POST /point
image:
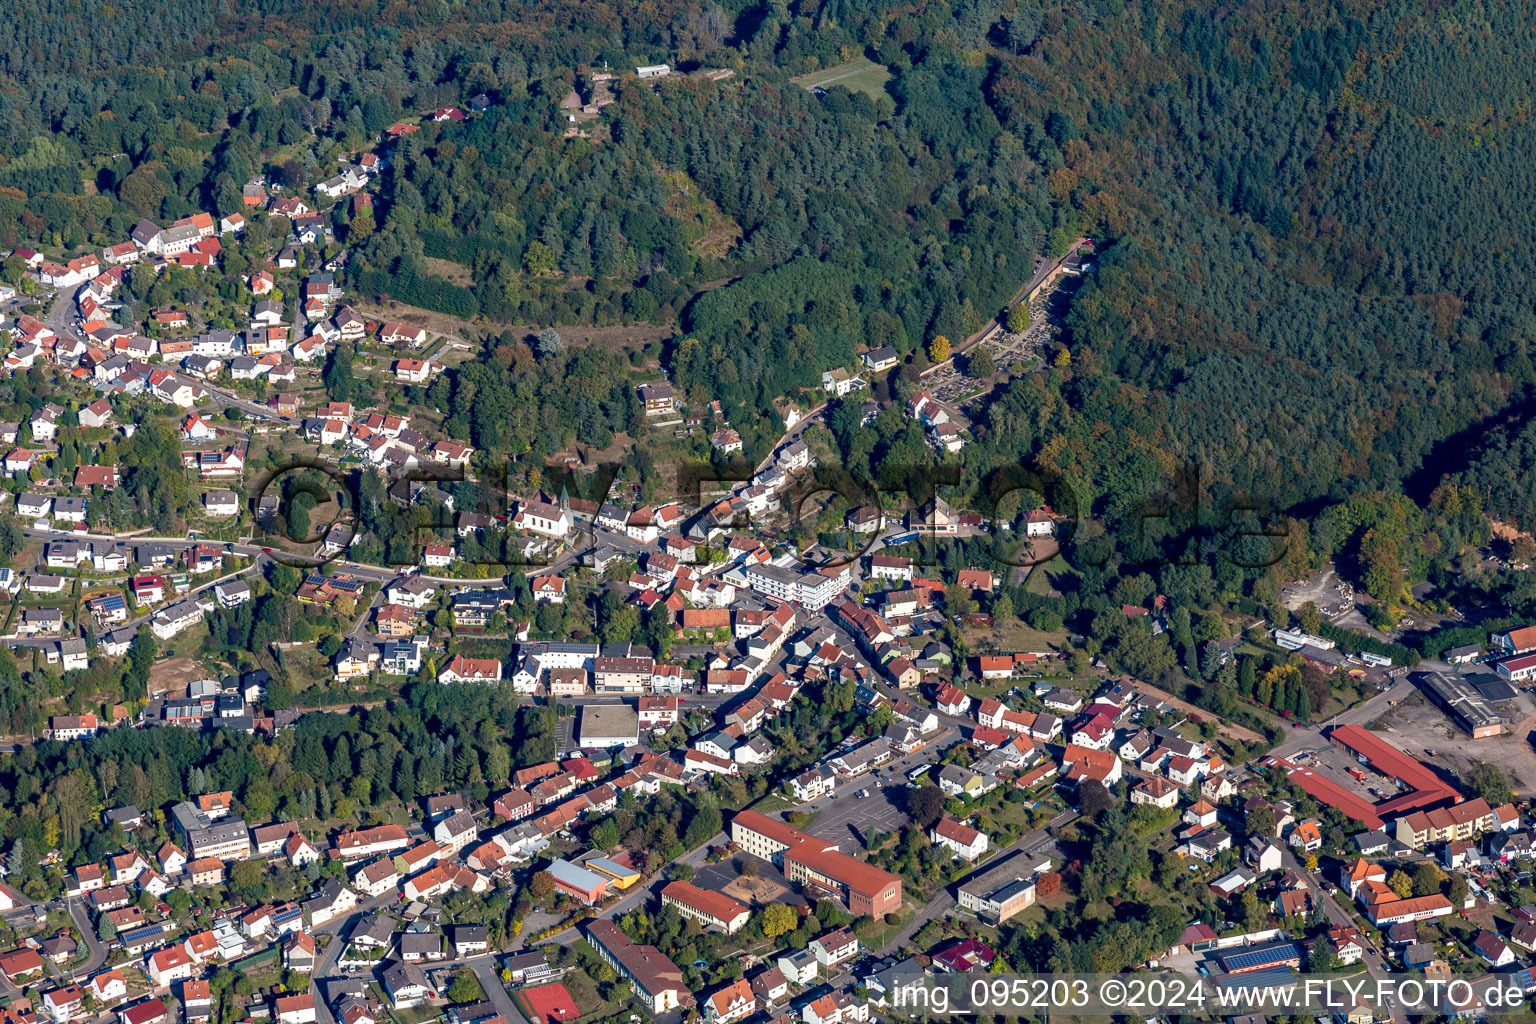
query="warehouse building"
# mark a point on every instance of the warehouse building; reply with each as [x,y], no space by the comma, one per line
[605,726]
[1464,701]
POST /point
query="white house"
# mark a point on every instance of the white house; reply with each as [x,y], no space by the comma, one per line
[548,520]
[964,842]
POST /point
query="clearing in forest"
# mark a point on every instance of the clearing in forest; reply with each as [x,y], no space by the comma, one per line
[862,75]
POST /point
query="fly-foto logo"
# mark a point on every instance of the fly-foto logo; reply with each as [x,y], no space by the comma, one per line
[1178,521]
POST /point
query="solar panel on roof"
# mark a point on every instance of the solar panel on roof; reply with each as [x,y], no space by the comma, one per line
[1251,958]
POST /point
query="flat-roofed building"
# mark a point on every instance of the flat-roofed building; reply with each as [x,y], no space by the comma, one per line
[619,875]
[1460,699]
[1005,889]
[574,880]
[604,725]
[225,838]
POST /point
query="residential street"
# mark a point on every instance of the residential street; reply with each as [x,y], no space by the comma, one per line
[79,914]
[325,965]
[1311,737]
[1337,915]
[60,320]
[488,974]
[134,623]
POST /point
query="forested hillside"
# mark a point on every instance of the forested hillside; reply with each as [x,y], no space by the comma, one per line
[1256,314]
[1315,264]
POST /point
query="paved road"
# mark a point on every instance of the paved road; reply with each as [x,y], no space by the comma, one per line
[61,316]
[362,570]
[792,435]
[325,967]
[46,641]
[490,980]
[1337,915]
[223,397]
[1312,738]
[98,952]
[945,899]
[891,773]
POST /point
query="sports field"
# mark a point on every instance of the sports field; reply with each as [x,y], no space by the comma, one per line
[549,1004]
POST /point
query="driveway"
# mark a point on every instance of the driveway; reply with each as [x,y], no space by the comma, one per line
[490,980]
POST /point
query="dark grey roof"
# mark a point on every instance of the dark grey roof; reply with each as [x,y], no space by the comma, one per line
[419,943]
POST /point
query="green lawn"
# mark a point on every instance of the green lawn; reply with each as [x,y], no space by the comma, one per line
[1018,635]
[306,667]
[584,991]
[1007,820]
[415,1014]
[1040,579]
[860,75]
[773,801]
[875,933]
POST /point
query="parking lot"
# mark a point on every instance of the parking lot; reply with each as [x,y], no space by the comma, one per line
[1418,727]
[565,735]
[850,819]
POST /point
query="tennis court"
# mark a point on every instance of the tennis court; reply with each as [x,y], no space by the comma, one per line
[550,1004]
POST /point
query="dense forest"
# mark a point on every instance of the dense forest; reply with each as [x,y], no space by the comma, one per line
[1311,263]
[1309,278]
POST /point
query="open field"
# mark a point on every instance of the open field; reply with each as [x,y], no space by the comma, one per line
[177,673]
[862,75]
[1040,579]
[584,991]
[708,228]
[306,666]
[1018,635]
[457,273]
